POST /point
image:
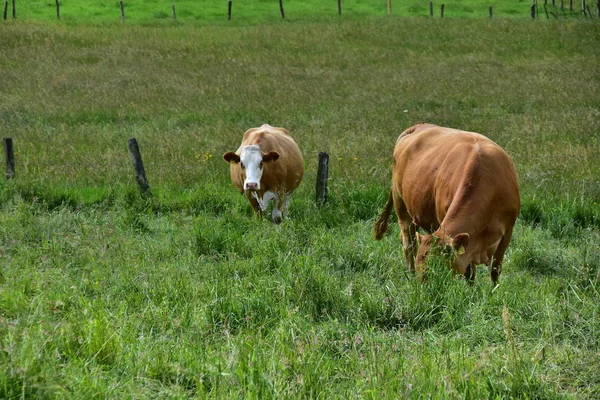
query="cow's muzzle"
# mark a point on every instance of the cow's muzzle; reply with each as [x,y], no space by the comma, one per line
[252,186]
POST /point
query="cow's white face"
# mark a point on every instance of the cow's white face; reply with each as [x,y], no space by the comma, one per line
[251,160]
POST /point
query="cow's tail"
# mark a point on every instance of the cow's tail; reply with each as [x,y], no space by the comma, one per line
[381,225]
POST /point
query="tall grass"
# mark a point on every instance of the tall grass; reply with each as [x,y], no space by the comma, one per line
[184,294]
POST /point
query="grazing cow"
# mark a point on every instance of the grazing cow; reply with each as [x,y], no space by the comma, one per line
[458,186]
[268,165]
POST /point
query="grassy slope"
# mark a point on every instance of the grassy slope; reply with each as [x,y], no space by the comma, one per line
[246,11]
[104,294]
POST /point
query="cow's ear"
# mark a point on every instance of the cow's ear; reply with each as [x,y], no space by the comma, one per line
[231,157]
[460,242]
[270,156]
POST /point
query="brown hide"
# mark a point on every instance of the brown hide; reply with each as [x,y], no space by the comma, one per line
[451,182]
[281,176]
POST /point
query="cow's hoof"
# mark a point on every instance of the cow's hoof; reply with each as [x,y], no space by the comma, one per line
[277,220]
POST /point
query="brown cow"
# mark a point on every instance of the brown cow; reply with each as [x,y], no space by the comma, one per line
[458,186]
[268,165]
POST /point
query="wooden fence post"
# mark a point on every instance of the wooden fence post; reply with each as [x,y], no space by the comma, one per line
[14,9]
[583,7]
[122,9]
[9,157]
[57,10]
[281,9]
[431,8]
[389,7]
[491,12]
[546,11]
[570,5]
[229,10]
[5,9]
[138,165]
[174,13]
[339,7]
[442,11]
[532,11]
[322,175]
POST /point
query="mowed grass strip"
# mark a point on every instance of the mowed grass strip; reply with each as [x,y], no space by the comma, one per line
[185,294]
[260,11]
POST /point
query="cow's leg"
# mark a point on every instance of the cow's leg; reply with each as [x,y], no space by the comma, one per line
[286,204]
[409,243]
[496,267]
[408,232]
[470,273]
[253,200]
[278,208]
[260,204]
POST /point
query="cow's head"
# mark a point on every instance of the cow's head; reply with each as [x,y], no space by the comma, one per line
[251,160]
[450,247]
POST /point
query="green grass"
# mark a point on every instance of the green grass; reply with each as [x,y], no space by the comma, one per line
[260,11]
[184,294]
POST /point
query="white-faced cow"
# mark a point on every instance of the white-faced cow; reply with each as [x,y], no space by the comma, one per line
[461,188]
[268,165]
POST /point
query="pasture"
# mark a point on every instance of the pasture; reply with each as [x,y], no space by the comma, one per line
[106,294]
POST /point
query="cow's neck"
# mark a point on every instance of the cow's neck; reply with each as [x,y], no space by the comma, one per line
[482,240]
[467,213]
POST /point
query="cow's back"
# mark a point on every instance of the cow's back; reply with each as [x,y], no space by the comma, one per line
[441,172]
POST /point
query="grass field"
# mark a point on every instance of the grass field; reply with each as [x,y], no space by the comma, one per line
[261,11]
[104,294]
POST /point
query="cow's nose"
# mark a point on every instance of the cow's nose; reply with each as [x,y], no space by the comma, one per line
[251,185]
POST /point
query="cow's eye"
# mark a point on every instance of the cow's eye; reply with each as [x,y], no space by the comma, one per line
[242,165]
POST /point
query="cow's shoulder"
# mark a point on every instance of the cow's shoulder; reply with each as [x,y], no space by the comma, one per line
[274,130]
[264,135]
[415,129]
[432,137]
